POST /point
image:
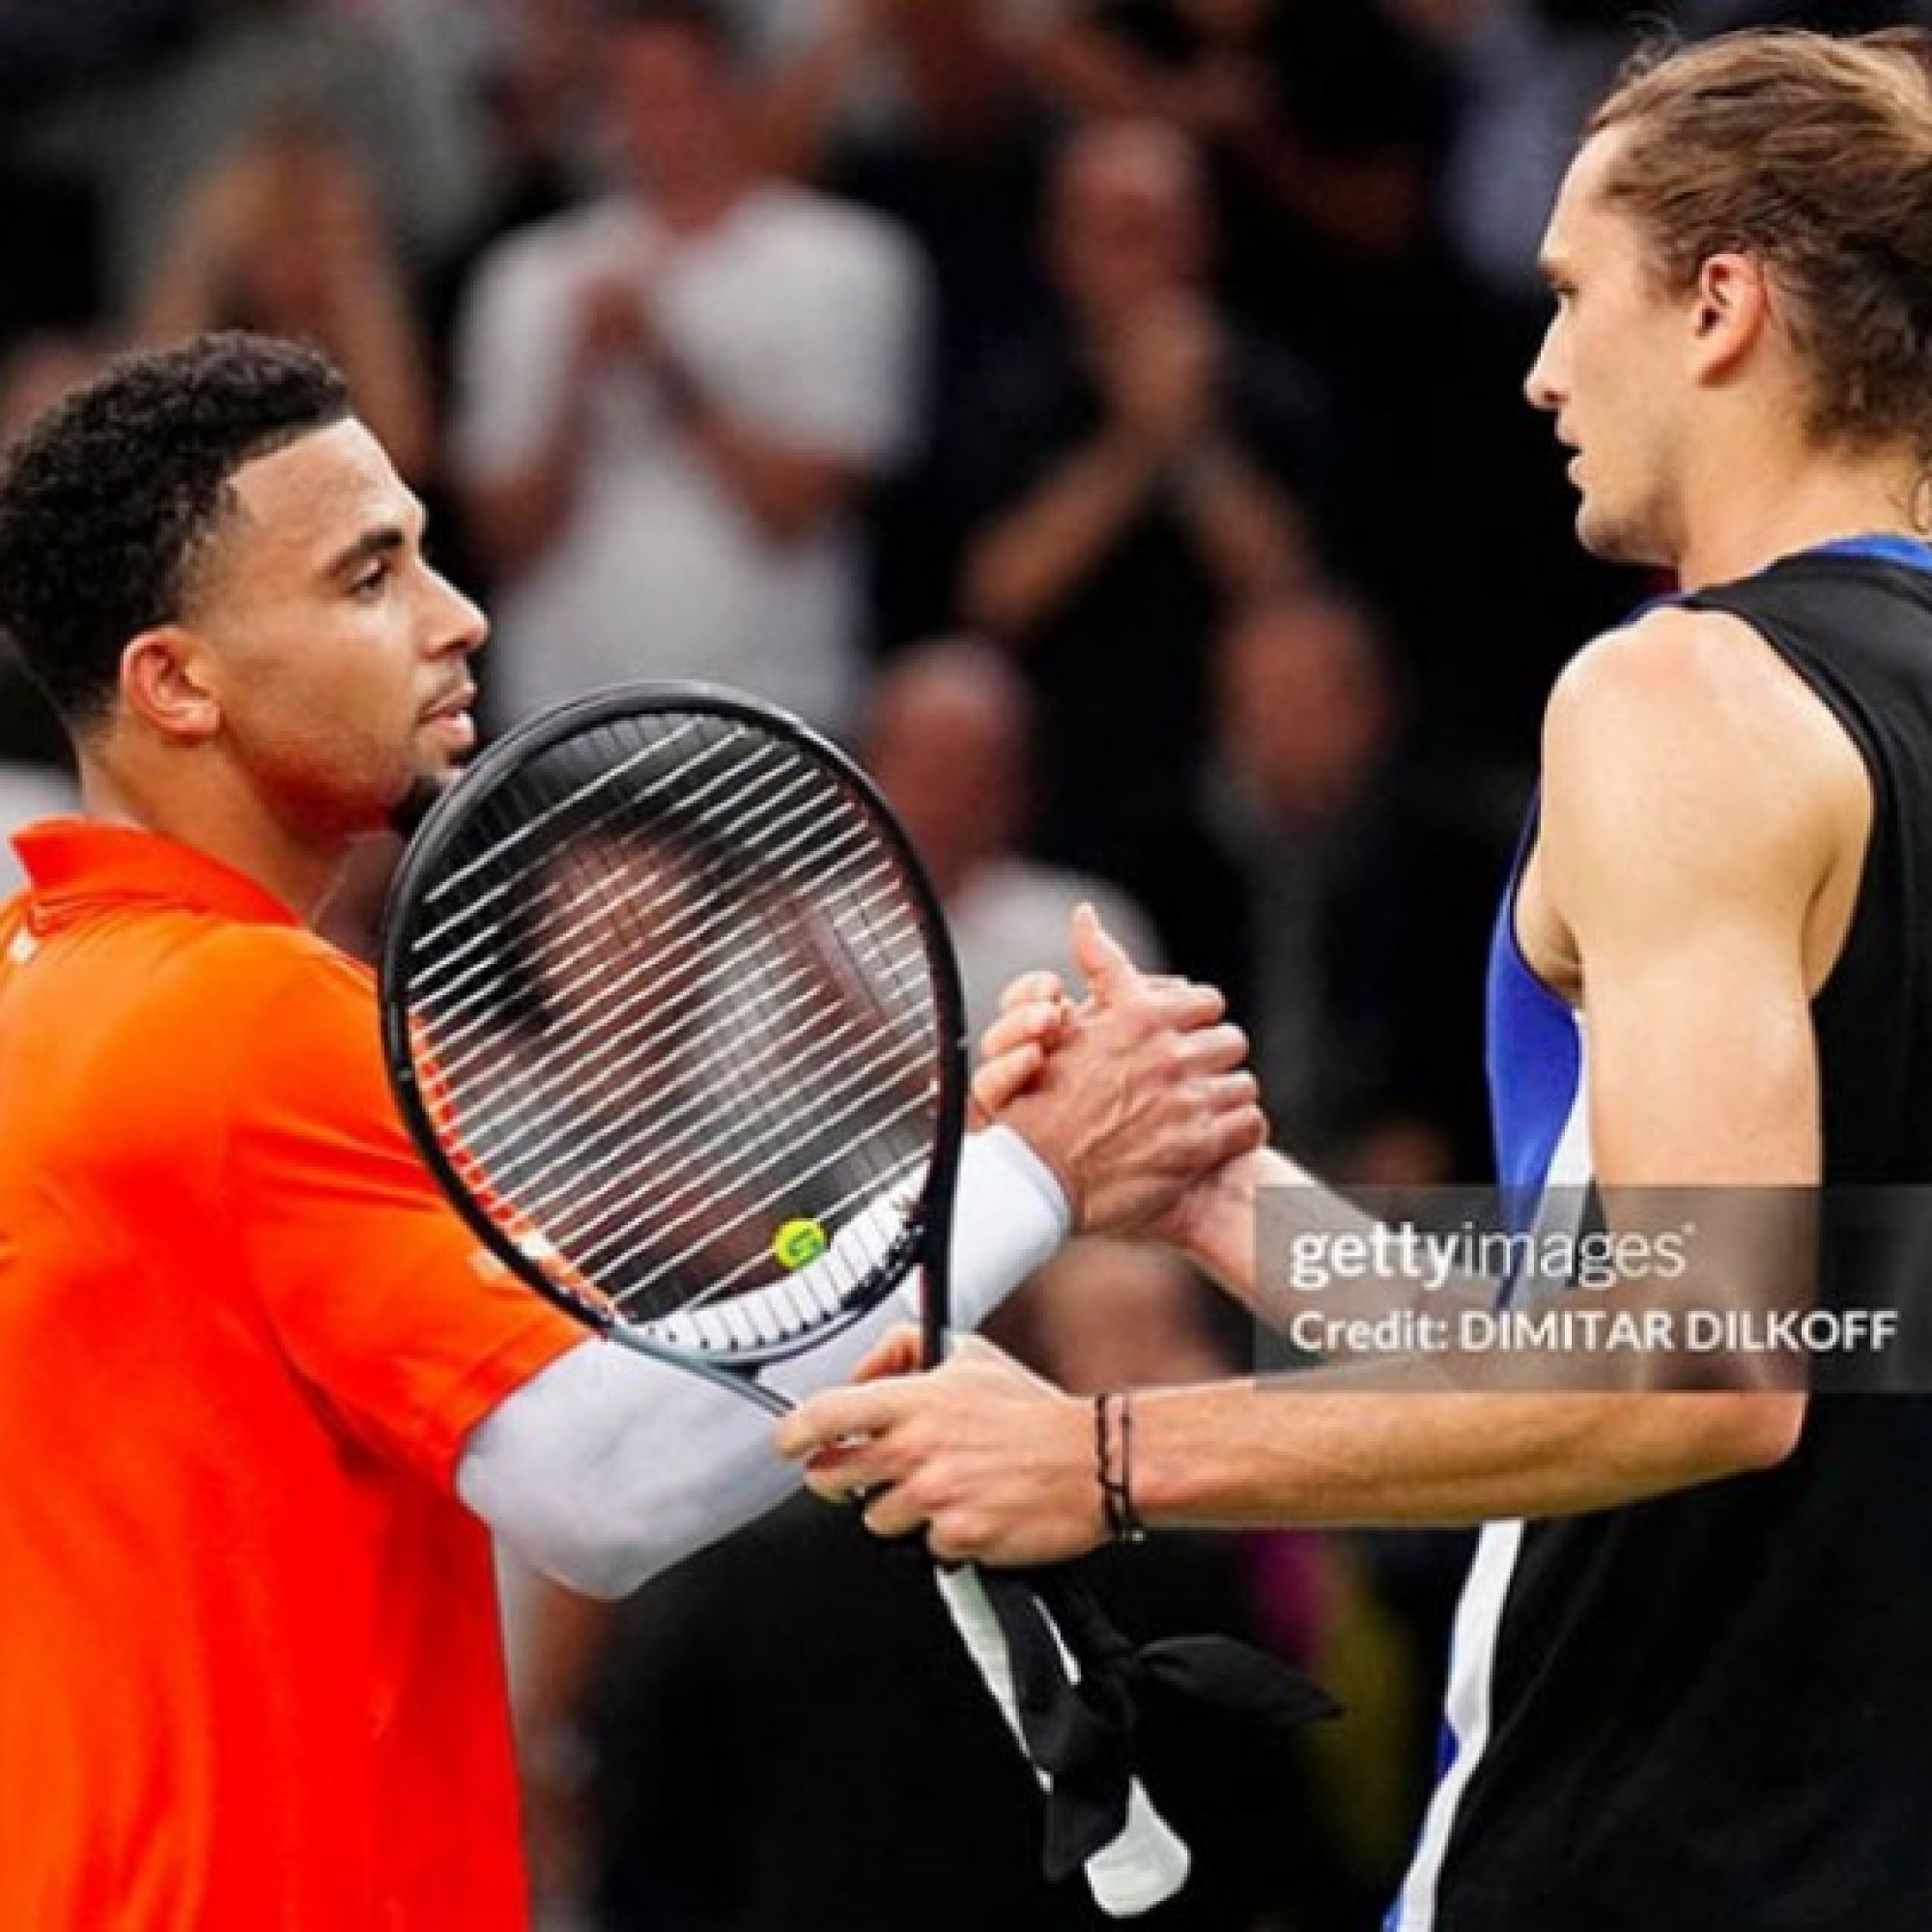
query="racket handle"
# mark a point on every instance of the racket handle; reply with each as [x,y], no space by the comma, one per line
[1148,1864]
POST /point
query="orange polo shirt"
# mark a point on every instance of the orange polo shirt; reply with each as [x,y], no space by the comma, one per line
[251,1674]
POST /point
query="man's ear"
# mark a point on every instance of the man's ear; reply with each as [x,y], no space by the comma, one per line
[166,682]
[1730,312]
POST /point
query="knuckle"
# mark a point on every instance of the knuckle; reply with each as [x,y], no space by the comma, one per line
[955,1534]
[1210,1002]
[1223,1047]
[944,1545]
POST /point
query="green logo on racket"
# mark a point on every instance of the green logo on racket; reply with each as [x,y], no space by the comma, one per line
[798,1242]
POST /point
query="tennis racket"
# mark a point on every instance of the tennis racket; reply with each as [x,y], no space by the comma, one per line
[671,1014]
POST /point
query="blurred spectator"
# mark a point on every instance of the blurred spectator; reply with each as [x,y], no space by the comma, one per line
[1487,575]
[1367,898]
[960,163]
[670,404]
[1138,476]
[50,240]
[959,160]
[392,77]
[1529,71]
[284,235]
[28,792]
[34,376]
[1322,126]
[536,93]
[38,372]
[949,739]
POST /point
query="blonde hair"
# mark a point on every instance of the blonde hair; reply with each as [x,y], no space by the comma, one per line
[1814,154]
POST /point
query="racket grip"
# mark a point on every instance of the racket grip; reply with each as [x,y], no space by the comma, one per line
[1148,1864]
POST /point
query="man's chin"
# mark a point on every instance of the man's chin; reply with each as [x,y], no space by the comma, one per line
[413,806]
[1607,540]
[1614,541]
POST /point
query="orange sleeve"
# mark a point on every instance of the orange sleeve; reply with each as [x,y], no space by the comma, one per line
[403,1324]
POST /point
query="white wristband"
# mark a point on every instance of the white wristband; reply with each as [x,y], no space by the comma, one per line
[1010,1219]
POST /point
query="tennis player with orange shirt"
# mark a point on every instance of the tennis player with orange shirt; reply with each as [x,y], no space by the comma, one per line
[261,1396]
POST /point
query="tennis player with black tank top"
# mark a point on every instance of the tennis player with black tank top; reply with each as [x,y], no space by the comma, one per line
[1691,1689]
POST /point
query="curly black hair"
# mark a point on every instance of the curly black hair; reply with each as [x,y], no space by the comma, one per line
[107,499]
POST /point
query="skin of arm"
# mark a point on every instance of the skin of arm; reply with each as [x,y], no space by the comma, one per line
[295,200]
[1026,562]
[606,1467]
[1702,827]
[1161,373]
[1251,532]
[1092,75]
[787,491]
[517,514]
[800,100]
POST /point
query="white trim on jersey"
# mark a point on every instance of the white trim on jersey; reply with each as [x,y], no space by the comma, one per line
[1479,1612]
[1479,1616]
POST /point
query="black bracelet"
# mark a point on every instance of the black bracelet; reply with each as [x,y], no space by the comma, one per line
[1117,1490]
[1132,1529]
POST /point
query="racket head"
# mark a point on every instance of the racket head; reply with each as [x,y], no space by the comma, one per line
[670,1013]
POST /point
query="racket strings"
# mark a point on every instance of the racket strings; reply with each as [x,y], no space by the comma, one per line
[479,1007]
[479,968]
[839,1059]
[638,1003]
[634,1017]
[673,1001]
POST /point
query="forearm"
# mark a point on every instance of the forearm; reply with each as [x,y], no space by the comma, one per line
[1027,563]
[1352,1447]
[1251,532]
[609,1467]
[798,103]
[374,340]
[185,297]
[1339,1285]
[1087,70]
[786,491]
[1218,1228]
[517,514]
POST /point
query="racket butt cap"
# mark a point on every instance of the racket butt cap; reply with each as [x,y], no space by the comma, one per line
[1144,1867]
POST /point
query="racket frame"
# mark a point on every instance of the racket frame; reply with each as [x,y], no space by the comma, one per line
[1146,1863]
[924,1242]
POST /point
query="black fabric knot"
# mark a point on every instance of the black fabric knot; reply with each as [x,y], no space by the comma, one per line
[1082,1734]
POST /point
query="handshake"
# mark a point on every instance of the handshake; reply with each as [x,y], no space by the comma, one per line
[1138,1100]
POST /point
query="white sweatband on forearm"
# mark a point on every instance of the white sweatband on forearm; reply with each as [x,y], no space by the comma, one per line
[606,1467]
[1009,1217]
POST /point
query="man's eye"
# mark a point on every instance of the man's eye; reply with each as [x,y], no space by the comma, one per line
[371,581]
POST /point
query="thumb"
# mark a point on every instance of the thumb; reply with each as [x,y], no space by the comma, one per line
[1102,959]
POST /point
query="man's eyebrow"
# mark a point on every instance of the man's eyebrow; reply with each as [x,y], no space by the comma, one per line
[385,540]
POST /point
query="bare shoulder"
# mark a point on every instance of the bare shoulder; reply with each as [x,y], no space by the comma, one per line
[1689,678]
[1693,701]
[1686,745]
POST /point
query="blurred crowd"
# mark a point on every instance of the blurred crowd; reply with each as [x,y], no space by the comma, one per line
[1103,416]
